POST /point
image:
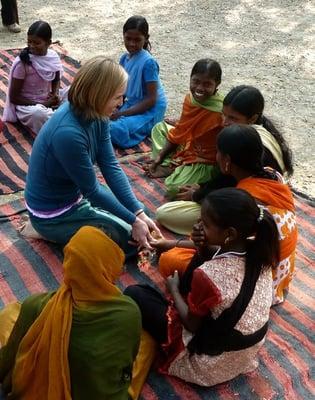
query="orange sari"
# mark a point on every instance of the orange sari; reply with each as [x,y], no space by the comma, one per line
[197,130]
[277,197]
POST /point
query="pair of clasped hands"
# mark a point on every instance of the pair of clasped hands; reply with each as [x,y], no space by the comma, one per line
[53,101]
[156,241]
[144,232]
[147,236]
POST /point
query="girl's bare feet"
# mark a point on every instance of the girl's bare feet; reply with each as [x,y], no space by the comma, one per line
[159,172]
[171,121]
[146,165]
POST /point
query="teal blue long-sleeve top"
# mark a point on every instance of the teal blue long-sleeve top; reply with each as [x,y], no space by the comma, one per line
[61,167]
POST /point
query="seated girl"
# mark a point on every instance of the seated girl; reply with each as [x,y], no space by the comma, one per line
[145,102]
[240,155]
[34,80]
[215,322]
[186,153]
[80,341]
[245,105]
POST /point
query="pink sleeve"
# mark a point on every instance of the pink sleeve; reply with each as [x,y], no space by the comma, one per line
[204,294]
[19,71]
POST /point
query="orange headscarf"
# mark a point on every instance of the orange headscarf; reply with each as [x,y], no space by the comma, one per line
[276,196]
[92,263]
[197,131]
[272,193]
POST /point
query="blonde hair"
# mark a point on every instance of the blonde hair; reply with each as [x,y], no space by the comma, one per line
[94,85]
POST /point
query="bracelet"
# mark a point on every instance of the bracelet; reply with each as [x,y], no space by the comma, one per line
[139,212]
[178,241]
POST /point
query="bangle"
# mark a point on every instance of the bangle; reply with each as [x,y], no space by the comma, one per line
[139,212]
[178,241]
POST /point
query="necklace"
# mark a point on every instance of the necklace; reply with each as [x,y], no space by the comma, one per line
[216,255]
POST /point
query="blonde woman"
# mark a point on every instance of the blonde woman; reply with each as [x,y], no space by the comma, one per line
[62,192]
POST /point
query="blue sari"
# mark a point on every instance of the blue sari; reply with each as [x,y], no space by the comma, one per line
[128,131]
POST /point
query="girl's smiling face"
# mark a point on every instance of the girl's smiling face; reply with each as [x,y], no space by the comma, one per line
[134,41]
[202,87]
[37,45]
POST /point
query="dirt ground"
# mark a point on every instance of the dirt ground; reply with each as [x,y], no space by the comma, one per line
[266,43]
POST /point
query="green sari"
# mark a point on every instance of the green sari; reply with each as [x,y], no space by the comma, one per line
[104,341]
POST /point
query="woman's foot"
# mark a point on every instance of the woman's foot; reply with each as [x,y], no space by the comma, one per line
[15,28]
[29,232]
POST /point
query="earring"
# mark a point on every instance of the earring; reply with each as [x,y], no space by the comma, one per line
[227,239]
[227,168]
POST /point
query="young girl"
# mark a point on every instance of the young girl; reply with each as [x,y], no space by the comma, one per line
[216,320]
[145,101]
[34,80]
[245,105]
[191,144]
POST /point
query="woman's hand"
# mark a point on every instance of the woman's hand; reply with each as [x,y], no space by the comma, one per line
[172,283]
[155,231]
[198,235]
[141,234]
[185,192]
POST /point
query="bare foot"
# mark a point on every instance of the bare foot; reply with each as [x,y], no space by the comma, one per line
[29,232]
[159,172]
[146,165]
[171,121]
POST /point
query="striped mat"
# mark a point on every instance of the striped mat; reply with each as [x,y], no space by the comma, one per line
[286,362]
[16,141]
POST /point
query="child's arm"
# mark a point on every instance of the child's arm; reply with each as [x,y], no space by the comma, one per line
[163,244]
[55,85]
[54,94]
[144,105]
[190,321]
[15,93]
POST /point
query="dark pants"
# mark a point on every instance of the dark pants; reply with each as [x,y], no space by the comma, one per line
[153,307]
[9,12]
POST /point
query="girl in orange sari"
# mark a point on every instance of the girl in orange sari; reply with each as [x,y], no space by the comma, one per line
[185,154]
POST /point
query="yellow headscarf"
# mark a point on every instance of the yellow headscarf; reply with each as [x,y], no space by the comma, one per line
[92,263]
[270,142]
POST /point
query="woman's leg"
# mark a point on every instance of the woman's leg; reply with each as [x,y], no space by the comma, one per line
[179,216]
[9,12]
[158,135]
[60,229]
[153,307]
